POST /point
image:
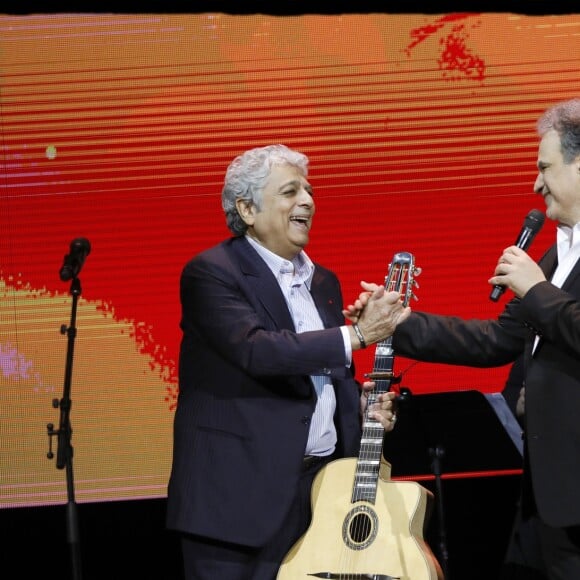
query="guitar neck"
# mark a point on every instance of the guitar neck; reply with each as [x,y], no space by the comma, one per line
[371,446]
[400,279]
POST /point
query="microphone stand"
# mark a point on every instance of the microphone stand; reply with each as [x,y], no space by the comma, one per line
[64,453]
[437,453]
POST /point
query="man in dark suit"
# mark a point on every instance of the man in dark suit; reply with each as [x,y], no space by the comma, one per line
[542,322]
[267,393]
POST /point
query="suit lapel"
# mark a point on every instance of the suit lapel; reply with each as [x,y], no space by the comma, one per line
[328,303]
[549,263]
[262,283]
[570,281]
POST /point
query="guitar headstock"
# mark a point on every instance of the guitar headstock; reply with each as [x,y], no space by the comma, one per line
[401,276]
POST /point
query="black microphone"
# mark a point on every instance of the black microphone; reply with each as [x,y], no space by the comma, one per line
[80,248]
[532,225]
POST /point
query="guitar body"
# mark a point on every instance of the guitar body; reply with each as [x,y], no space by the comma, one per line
[378,541]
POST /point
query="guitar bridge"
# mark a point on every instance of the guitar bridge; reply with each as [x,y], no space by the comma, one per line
[349,576]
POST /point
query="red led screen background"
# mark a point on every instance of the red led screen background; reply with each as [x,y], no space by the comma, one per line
[118,128]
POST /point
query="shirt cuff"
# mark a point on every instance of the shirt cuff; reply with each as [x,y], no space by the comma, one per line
[347,345]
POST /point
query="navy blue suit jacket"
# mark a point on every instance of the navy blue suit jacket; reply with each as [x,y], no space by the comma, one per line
[245,396]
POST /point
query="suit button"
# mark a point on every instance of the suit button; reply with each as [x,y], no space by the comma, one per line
[306,420]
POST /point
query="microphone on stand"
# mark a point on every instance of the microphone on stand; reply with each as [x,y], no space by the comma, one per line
[80,248]
[532,225]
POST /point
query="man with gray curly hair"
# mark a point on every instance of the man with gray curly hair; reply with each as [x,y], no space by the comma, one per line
[267,393]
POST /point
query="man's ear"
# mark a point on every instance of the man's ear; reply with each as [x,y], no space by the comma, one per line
[247,211]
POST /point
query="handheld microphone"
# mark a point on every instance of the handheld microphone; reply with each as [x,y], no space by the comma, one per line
[532,225]
[80,248]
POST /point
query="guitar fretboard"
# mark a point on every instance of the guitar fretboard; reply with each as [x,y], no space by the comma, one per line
[371,446]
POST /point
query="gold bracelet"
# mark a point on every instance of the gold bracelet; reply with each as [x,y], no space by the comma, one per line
[359,335]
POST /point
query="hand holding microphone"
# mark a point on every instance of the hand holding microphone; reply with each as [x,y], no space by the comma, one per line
[532,225]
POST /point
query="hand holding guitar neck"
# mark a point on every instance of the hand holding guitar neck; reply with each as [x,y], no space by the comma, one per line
[374,313]
[381,314]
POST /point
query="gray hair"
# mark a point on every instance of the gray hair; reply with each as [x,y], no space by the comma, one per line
[246,177]
[564,118]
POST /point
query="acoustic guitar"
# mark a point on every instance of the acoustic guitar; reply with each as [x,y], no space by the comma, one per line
[364,525]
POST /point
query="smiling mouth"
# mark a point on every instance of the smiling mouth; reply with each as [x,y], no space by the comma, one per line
[300,220]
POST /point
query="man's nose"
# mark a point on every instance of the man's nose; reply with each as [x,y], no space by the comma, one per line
[305,197]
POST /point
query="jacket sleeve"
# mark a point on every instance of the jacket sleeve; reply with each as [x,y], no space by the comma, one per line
[453,340]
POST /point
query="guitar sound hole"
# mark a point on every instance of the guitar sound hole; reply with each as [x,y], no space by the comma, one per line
[360,528]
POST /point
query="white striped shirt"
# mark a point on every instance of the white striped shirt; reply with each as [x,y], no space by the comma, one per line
[295,279]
